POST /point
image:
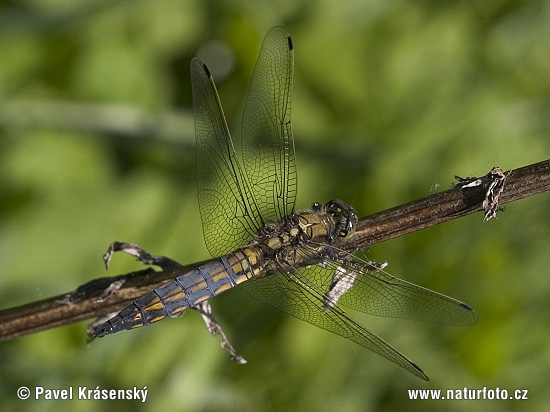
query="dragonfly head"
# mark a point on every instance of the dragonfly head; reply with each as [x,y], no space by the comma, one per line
[343,217]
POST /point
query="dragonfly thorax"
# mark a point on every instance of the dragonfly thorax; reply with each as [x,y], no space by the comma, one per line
[301,238]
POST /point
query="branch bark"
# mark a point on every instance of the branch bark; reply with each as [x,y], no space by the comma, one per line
[86,301]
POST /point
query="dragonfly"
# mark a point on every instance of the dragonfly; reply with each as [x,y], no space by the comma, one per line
[291,260]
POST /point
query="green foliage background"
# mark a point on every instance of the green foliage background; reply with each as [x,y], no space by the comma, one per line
[391,100]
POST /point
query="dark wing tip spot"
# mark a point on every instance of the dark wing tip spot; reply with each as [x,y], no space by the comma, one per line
[290,45]
[472,315]
[465,306]
[421,373]
[205,67]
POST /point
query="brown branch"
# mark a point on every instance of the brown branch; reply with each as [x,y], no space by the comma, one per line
[448,205]
[86,302]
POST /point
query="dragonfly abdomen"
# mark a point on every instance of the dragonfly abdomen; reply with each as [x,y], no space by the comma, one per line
[173,298]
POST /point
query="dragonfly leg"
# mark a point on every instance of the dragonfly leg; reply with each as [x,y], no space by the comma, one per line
[215,329]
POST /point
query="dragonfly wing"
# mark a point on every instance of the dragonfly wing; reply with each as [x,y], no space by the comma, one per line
[296,295]
[376,292]
[267,141]
[230,217]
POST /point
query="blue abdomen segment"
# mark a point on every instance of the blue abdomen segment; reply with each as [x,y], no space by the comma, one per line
[173,298]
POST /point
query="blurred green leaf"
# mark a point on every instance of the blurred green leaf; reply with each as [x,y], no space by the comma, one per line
[392,99]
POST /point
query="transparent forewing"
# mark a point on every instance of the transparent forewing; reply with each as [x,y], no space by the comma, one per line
[229,216]
[267,142]
[376,292]
[299,297]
